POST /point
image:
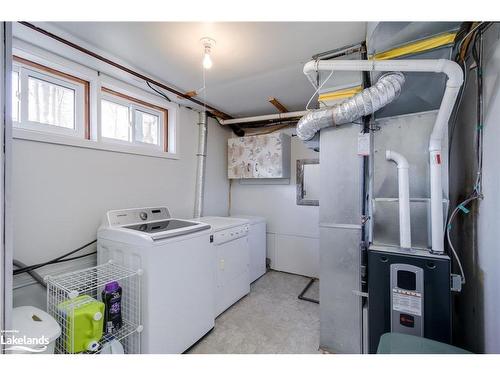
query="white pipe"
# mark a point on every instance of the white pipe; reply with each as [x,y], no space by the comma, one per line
[200,172]
[455,80]
[404,197]
[274,116]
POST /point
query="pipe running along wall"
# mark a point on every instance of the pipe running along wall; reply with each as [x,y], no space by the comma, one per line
[386,90]
[200,171]
[453,84]
[404,197]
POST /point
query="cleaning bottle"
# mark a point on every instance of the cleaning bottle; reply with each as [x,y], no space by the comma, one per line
[112,298]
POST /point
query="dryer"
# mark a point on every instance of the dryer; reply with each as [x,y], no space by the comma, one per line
[177,259]
[232,261]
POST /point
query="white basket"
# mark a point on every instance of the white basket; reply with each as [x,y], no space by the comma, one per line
[64,297]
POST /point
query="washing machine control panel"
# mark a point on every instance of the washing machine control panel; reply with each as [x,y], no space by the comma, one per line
[137,215]
[230,234]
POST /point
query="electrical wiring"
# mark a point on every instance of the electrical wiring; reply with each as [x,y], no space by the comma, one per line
[59,259]
[476,194]
[35,275]
[158,92]
[468,34]
[460,207]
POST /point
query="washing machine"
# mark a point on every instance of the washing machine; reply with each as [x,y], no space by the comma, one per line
[229,238]
[177,258]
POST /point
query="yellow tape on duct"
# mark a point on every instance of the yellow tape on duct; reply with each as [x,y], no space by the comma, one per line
[340,94]
[416,47]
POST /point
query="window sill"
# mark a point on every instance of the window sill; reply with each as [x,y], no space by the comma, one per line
[30,135]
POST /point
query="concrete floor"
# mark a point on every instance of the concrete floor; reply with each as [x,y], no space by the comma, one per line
[271,319]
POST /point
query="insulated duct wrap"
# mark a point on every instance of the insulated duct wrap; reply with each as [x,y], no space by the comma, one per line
[368,101]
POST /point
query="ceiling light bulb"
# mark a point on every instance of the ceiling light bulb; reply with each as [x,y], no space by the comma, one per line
[207,60]
[208,44]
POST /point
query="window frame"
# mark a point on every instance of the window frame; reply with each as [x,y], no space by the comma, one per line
[27,68]
[135,104]
[70,62]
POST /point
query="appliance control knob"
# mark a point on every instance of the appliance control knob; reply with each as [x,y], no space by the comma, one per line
[143,215]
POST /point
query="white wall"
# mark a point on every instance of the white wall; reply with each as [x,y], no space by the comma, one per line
[60,193]
[489,209]
[292,231]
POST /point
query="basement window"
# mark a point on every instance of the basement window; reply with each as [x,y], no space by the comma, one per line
[48,100]
[133,121]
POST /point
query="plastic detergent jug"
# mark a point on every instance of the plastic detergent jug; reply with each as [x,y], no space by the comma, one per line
[112,298]
[84,317]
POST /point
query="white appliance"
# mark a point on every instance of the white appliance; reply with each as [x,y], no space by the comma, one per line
[257,241]
[230,241]
[178,281]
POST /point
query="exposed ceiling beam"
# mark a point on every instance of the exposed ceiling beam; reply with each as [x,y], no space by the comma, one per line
[278,105]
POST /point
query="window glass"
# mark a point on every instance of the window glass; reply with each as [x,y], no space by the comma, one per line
[115,121]
[51,104]
[15,97]
[146,127]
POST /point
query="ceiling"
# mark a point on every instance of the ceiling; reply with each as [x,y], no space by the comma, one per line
[252,60]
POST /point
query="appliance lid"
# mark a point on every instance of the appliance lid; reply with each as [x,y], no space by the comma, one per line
[161,226]
[251,219]
[222,222]
[167,228]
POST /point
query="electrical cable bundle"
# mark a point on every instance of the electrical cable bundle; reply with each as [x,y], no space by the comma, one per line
[59,259]
[473,41]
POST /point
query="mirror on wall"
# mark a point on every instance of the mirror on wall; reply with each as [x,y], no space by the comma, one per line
[308,182]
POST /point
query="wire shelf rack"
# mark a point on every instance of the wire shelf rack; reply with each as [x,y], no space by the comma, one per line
[74,300]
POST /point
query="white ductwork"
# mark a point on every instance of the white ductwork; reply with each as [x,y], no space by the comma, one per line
[453,84]
[404,197]
[200,171]
[386,90]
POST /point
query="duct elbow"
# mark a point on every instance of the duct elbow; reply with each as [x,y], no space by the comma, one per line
[396,157]
[453,71]
[310,67]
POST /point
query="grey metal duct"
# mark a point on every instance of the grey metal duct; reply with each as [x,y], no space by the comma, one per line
[200,172]
[386,90]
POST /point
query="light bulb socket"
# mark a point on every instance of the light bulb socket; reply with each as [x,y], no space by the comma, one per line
[207,42]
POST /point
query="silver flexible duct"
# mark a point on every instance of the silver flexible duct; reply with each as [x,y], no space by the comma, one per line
[200,172]
[386,90]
